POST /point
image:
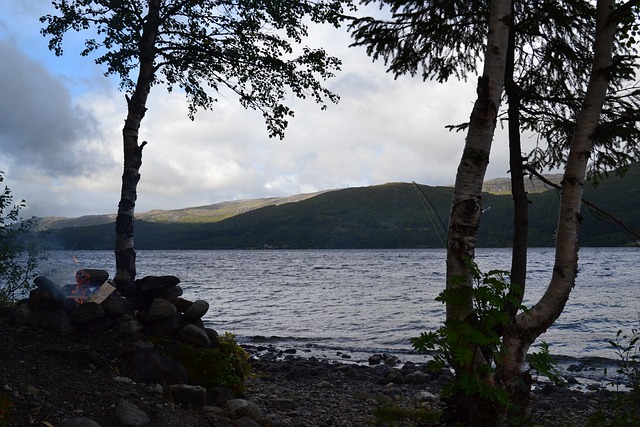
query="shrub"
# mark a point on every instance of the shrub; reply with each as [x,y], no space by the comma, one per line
[625,408]
[225,365]
[19,249]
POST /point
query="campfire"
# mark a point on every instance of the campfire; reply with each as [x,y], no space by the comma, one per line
[93,305]
[91,285]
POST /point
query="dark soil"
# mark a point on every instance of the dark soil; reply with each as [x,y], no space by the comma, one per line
[48,377]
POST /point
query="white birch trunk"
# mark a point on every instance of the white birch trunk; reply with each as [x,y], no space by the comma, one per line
[466,205]
[124,245]
[529,325]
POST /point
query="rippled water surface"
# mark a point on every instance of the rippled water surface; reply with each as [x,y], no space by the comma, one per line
[362,301]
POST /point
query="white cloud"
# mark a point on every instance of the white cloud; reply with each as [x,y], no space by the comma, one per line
[68,120]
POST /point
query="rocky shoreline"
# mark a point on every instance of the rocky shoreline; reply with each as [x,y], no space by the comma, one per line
[58,379]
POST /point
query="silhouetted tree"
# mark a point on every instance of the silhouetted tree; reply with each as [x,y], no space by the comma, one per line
[199,46]
[557,62]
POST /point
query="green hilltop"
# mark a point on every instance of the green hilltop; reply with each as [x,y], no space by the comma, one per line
[381,216]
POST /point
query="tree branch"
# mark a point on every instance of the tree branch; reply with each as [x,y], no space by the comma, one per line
[616,220]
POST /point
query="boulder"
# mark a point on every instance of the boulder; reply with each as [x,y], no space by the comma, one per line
[173,292]
[116,307]
[160,310]
[129,415]
[41,300]
[198,309]
[239,408]
[127,324]
[91,276]
[88,312]
[56,291]
[194,335]
[166,328]
[189,395]
[156,283]
[155,368]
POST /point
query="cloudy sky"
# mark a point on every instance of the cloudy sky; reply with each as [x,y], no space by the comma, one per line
[61,119]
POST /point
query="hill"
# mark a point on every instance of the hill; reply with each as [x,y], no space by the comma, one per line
[198,214]
[532,185]
[382,216]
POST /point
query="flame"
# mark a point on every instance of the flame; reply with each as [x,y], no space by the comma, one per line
[82,280]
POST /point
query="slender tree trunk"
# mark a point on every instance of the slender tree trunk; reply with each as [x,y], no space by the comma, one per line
[124,247]
[518,193]
[529,325]
[466,206]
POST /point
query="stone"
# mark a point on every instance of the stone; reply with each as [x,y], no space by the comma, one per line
[570,379]
[239,408]
[214,337]
[150,367]
[22,312]
[88,312]
[417,377]
[155,283]
[8,312]
[409,366]
[219,395]
[57,320]
[41,300]
[160,310]
[137,347]
[91,276]
[245,422]
[56,292]
[395,377]
[117,307]
[181,304]
[189,395]
[123,380]
[391,361]
[166,328]
[174,292]
[129,415]
[128,325]
[194,335]
[79,422]
[96,326]
[425,396]
[195,312]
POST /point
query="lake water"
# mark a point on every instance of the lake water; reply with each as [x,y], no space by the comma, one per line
[359,302]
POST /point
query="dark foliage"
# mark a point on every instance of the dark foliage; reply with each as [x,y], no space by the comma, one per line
[383,216]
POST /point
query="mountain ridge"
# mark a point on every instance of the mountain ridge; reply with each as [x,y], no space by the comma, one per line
[209,213]
[222,210]
[393,215]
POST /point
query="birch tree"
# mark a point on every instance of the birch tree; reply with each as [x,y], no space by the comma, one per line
[199,47]
[530,324]
[548,94]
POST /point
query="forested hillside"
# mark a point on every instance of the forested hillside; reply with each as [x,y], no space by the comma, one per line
[382,216]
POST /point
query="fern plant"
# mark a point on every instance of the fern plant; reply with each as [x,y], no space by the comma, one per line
[458,342]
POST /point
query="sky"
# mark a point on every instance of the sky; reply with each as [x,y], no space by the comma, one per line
[61,121]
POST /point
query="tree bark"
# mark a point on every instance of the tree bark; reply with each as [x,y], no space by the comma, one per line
[467,197]
[466,210]
[124,246]
[520,201]
[529,325]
